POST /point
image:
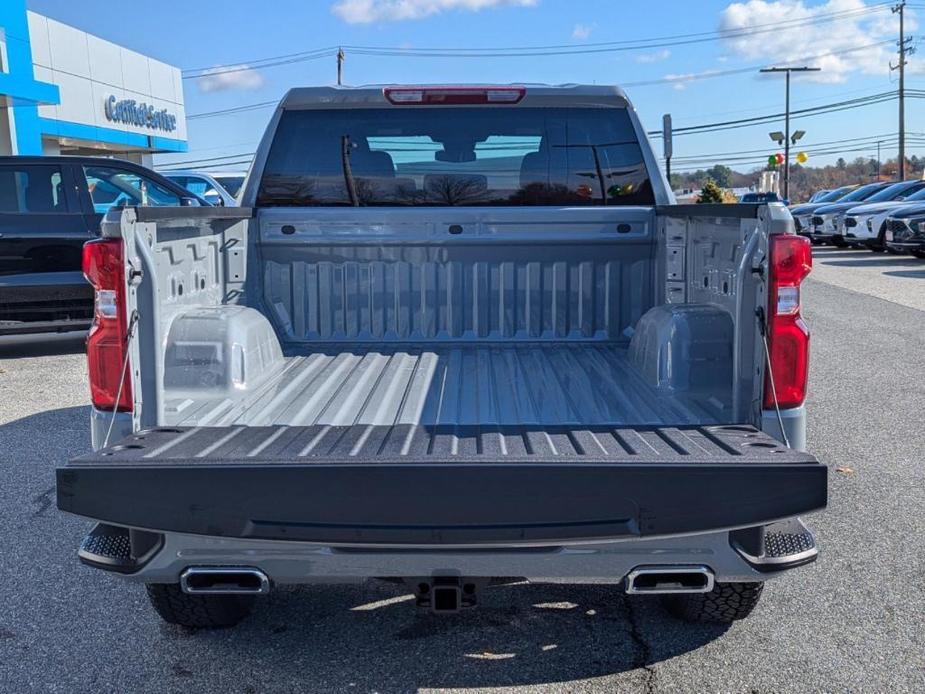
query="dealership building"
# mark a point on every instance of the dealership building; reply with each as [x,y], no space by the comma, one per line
[64,91]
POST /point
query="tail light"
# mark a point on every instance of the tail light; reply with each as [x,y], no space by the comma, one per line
[107,343]
[788,336]
[436,96]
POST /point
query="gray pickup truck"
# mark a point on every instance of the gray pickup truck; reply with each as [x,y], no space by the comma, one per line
[456,336]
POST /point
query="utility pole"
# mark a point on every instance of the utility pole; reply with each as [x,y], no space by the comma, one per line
[787,71]
[340,66]
[667,143]
[878,158]
[900,9]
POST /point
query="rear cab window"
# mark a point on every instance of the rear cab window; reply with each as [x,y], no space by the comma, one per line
[32,188]
[429,157]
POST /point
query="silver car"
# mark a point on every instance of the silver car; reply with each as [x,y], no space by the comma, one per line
[219,189]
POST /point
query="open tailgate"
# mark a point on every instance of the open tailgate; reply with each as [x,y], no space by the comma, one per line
[417,485]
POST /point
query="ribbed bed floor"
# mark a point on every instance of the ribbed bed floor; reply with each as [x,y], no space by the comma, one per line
[545,385]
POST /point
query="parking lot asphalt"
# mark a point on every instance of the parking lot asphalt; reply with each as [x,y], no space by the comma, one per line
[853,621]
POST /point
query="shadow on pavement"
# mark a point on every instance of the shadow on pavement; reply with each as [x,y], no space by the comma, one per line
[43,345]
[520,634]
[874,261]
[916,274]
[53,436]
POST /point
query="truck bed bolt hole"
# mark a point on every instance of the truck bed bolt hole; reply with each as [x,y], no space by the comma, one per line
[423,588]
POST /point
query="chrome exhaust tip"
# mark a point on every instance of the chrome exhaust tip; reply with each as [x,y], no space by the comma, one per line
[661,580]
[224,580]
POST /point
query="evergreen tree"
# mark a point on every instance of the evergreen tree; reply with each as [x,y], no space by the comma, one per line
[711,192]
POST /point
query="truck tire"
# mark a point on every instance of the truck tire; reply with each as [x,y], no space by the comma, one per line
[198,611]
[726,603]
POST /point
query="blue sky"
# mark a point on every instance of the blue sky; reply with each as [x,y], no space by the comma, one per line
[849,37]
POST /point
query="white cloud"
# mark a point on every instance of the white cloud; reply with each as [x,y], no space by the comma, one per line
[656,57]
[231,77]
[679,81]
[789,43]
[582,31]
[370,11]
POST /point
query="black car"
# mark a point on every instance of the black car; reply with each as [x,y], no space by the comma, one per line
[905,231]
[50,206]
[763,198]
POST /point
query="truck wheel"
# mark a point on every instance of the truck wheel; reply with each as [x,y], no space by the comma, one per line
[198,611]
[726,603]
[839,241]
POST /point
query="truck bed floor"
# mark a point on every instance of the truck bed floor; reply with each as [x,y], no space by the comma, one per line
[533,384]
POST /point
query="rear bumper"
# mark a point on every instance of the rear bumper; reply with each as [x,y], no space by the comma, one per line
[906,246]
[49,302]
[478,494]
[304,563]
[35,327]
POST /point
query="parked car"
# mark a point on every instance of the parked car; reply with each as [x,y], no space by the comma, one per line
[819,195]
[803,214]
[763,198]
[49,207]
[905,231]
[479,359]
[865,225]
[220,189]
[827,220]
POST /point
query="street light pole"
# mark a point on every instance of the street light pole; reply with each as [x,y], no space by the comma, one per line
[787,71]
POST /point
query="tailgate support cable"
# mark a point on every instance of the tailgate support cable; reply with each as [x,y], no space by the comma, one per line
[762,328]
[133,321]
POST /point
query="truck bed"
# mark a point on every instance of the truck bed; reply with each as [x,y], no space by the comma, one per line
[553,384]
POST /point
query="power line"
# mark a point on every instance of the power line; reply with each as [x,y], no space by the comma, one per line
[656,42]
[693,165]
[233,110]
[539,51]
[187,162]
[246,108]
[759,120]
[260,65]
[693,129]
[868,139]
[208,167]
